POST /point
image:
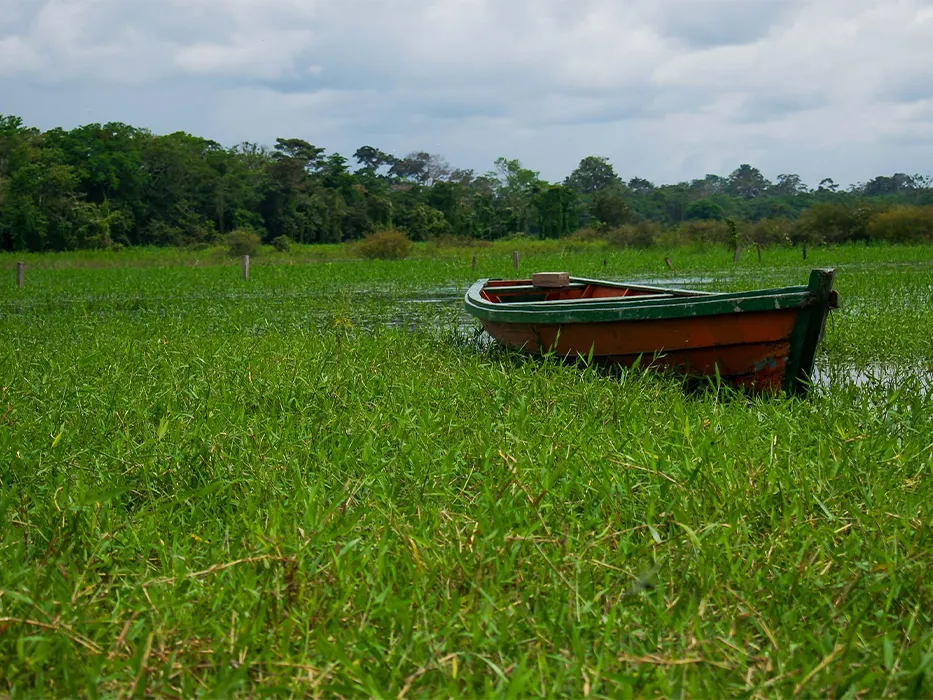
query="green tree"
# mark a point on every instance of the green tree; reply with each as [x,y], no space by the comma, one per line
[610,207]
[705,209]
[556,210]
[787,186]
[514,187]
[372,160]
[594,173]
[747,182]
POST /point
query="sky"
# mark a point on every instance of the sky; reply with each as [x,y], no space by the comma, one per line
[668,90]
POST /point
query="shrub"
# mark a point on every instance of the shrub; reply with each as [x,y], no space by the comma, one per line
[707,232]
[283,244]
[243,242]
[832,222]
[387,244]
[640,235]
[673,238]
[587,234]
[769,232]
[904,224]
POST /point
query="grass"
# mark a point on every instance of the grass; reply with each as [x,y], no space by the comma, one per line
[460,252]
[305,483]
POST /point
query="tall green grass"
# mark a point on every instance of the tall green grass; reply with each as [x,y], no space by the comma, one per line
[489,255]
[312,483]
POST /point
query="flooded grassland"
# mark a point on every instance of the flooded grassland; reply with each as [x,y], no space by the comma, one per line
[325,480]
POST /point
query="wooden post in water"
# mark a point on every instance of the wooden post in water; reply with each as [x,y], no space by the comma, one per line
[245,267]
[670,265]
[515,259]
[20,274]
[474,263]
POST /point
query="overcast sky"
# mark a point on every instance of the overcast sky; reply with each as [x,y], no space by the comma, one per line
[666,89]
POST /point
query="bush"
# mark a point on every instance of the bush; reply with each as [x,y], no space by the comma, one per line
[674,238]
[243,242]
[587,234]
[832,222]
[708,232]
[283,244]
[640,235]
[769,232]
[387,244]
[902,224]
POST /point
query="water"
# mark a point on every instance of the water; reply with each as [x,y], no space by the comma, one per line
[875,375]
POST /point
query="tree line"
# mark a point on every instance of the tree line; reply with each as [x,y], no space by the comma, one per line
[111,185]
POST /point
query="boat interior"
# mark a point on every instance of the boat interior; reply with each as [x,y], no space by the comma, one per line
[524,291]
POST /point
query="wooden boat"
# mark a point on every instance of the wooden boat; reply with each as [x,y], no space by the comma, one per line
[762,340]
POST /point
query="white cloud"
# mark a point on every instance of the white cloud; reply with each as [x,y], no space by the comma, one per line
[667,89]
[262,54]
[17,56]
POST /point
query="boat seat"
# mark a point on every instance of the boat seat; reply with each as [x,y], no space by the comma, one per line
[553,280]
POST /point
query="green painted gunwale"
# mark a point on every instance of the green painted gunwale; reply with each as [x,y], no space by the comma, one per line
[680,304]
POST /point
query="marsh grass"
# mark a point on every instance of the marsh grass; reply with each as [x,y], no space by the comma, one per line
[304,484]
[490,255]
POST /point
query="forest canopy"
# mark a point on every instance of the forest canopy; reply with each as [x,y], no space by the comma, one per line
[112,185]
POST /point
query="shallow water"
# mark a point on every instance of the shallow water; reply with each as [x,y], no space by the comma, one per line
[875,375]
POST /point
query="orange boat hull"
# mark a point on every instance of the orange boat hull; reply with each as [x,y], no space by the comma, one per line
[764,340]
[750,350]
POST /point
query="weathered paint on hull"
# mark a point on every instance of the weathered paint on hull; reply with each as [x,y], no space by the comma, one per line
[750,350]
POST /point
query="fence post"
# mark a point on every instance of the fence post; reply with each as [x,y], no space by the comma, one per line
[245,267]
[735,255]
[804,248]
[758,246]
[20,274]
[670,265]
[515,259]
[474,263]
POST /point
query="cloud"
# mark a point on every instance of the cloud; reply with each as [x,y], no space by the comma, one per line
[667,89]
[17,56]
[265,54]
[710,23]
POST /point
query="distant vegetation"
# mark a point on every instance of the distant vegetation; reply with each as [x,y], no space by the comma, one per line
[113,185]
